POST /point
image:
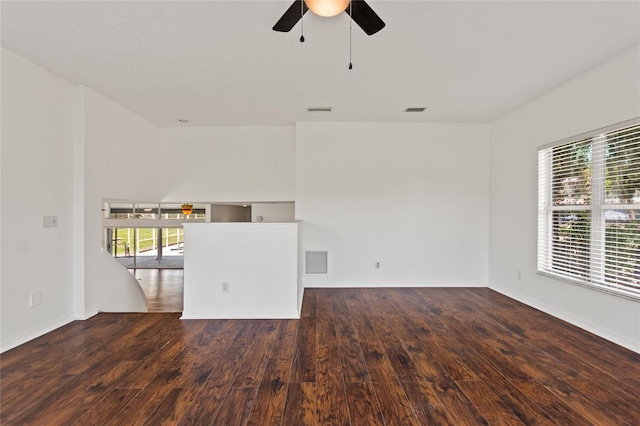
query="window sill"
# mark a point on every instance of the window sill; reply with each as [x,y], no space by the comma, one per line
[592,286]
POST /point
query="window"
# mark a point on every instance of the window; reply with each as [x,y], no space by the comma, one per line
[589,209]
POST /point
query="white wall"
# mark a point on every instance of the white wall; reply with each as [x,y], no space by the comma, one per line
[231,164]
[258,260]
[411,196]
[125,158]
[605,95]
[37,180]
[273,212]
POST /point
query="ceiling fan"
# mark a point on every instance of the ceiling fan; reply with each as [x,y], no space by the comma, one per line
[360,12]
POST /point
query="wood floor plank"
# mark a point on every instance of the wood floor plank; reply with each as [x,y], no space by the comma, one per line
[426,364]
[140,407]
[379,303]
[304,361]
[187,370]
[621,408]
[325,331]
[114,376]
[79,337]
[509,363]
[151,339]
[151,366]
[112,403]
[324,303]
[16,362]
[458,407]
[285,342]
[237,406]
[444,347]
[632,383]
[557,408]
[363,404]
[428,407]
[532,361]
[224,373]
[252,369]
[268,406]
[248,332]
[309,299]
[339,304]
[208,331]
[300,408]
[379,366]
[581,344]
[357,309]
[72,359]
[354,367]
[621,362]
[14,407]
[585,369]
[394,404]
[148,369]
[396,352]
[204,406]
[331,407]
[73,399]
[488,404]
[173,407]
[363,329]
[518,401]
[589,409]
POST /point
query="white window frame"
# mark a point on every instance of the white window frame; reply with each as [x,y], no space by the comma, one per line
[597,207]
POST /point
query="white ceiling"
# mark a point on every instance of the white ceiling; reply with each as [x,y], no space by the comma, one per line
[219,62]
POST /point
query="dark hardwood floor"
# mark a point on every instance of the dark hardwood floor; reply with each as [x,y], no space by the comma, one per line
[357,356]
[163,288]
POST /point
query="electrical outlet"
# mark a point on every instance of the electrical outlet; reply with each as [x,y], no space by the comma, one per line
[35,298]
[377,265]
[519,275]
[225,287]
[49,221]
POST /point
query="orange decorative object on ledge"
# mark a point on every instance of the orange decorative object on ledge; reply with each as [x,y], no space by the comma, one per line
[187,209]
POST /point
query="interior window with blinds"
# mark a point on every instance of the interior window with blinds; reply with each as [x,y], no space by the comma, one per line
[589,209]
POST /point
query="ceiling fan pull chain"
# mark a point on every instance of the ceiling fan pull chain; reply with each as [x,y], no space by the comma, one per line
[350,21]
[302,21]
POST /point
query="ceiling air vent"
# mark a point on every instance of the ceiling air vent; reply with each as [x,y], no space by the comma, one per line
[319,109]
[415,109]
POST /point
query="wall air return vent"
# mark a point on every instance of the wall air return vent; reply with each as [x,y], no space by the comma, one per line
[415,109]
[315,262]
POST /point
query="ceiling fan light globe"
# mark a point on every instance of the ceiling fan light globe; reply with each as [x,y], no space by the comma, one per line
[327,8]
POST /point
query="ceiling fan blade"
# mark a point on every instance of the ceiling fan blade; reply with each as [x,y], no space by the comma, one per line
[291,16]
[365,17]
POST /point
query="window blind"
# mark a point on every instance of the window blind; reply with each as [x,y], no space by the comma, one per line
[589,209]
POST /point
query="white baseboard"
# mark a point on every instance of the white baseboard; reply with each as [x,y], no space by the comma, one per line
[85,315]
[300,296]
[426,284]
[605,333]
[242,315]
[36,332]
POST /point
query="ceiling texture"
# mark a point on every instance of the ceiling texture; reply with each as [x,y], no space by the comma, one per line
[218,63]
